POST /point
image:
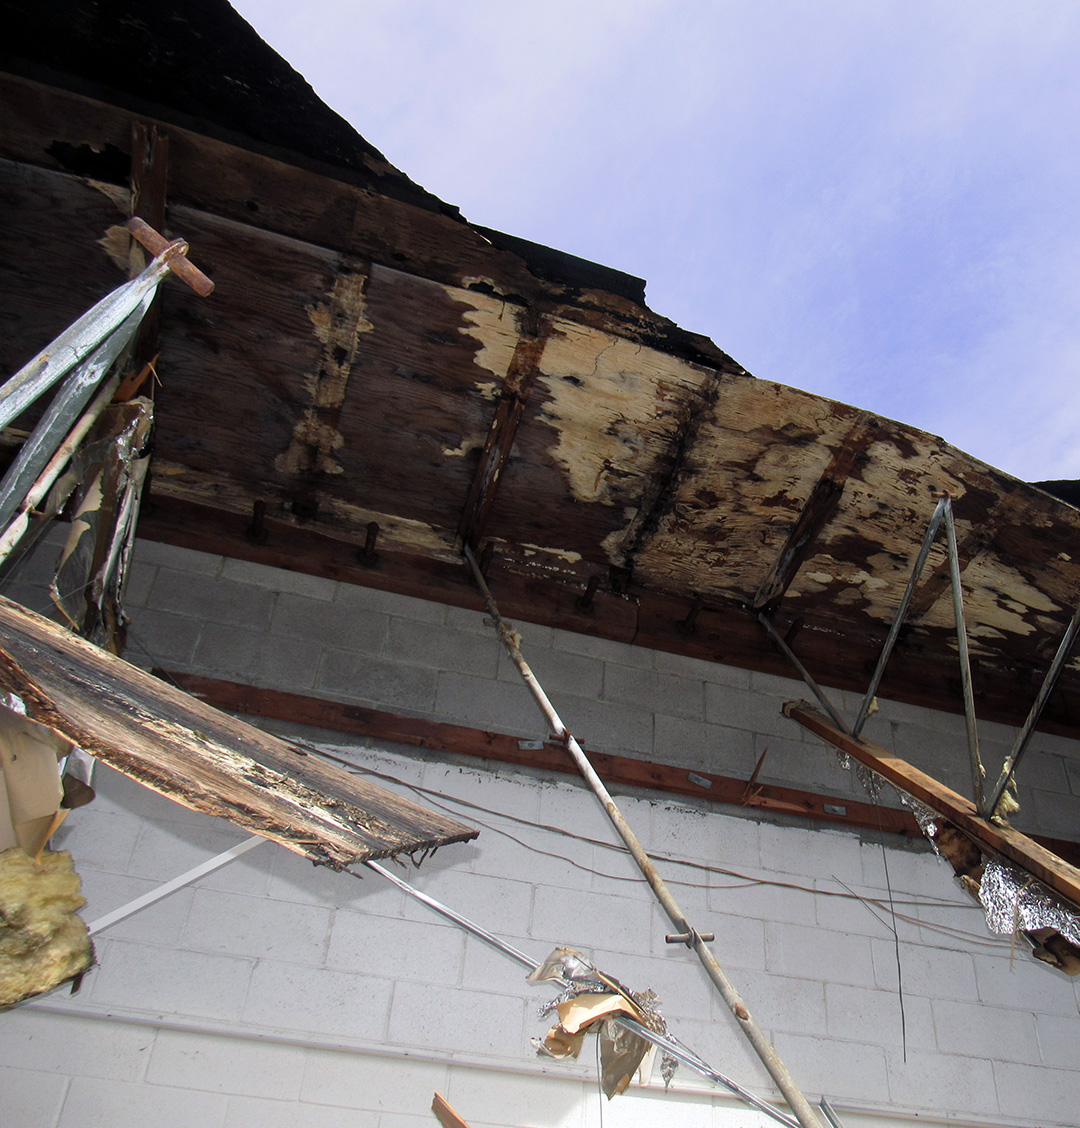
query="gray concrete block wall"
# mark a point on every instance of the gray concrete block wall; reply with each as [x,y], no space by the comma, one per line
[220,1005]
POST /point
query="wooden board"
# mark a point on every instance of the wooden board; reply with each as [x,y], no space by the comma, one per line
[198,756]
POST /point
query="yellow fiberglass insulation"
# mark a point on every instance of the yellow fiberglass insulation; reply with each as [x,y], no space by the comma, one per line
[42,941]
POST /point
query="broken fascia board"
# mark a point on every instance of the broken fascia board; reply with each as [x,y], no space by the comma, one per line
[202,758]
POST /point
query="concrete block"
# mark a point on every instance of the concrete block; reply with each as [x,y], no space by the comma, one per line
[38,1039]
[560,674]
[917,870]
[98,839]
[602,649]
[486,969]
[520,852]
[93,1103]
[728,705]
[430,951]
[257,658]
[977,1030]
[480,703]
[501,789]
[724,1046]
[936,974]
[940,1083]
[503,1098]
[740,941]
[765,901]
[386,685]
[698,669]
[162,638]
[226,1065]
[291,998]
[160,980]
[704,747]
[841,910]
[296,879]
[1059,1040]
[817,853]
[646,689]
[257,926]
[212,599]
[847,1071]
[353,597]
[160,923]
[1055,814]
[179,559]
[591,920]
[499,905]
[278,579]
[140,581]
[442,648]
[606,727]
[810,953]
[467,1022]
[256,1112]
[1022,983]
[32,1097]
[333,624]
[685,831]
[1035,1094]
[793,1005]
[166,850]
[884,1018]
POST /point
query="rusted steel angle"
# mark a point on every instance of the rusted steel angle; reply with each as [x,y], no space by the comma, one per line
[504,427]
[1000,838]
[190,752]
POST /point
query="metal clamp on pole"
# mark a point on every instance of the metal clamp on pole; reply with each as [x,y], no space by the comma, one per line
[689,938]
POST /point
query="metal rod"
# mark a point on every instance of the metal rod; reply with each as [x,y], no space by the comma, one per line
[187,878]
[793,658]
[756,1036]
[666,1042]
[1024,735]
[978,774]
[901,614]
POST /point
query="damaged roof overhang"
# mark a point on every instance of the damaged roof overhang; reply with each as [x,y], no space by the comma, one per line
[202,758]
[405,382]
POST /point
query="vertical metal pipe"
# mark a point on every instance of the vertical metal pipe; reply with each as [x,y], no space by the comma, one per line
[1024,735]
[978,775]
[901,614]
[800,1106]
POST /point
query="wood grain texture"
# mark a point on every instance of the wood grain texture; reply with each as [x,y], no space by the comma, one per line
[202,758]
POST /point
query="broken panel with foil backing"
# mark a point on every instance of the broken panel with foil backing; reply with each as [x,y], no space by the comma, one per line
[205,759]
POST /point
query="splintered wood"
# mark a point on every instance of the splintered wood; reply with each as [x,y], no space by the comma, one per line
[205,759]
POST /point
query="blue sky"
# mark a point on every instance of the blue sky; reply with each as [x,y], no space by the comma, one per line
[872,200]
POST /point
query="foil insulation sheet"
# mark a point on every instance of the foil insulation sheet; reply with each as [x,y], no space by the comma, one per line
[1014,900]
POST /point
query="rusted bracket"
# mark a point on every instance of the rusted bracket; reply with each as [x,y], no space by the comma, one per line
[174,254]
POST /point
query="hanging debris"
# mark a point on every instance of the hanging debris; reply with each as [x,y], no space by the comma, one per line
[588,1004]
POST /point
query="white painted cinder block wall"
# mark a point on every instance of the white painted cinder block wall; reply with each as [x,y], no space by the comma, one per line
[274,993]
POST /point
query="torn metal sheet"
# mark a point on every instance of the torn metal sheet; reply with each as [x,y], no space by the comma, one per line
[587,1004]
[1015,901]
[202,758]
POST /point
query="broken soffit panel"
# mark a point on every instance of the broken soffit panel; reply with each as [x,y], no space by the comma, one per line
[202,758]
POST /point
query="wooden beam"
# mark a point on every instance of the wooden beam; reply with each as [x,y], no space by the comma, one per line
[500,440]
[197,756]
[998,837]
[822,503]
[445,1113]
[622,771]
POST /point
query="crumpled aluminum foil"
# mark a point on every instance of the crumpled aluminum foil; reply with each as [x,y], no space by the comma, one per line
[924,816]
[1014,900]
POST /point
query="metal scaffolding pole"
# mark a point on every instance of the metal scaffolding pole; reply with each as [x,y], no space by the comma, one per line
[798,1103]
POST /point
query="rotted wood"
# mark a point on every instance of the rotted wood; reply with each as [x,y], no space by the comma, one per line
[622,771]
[822,503]
[520,378]
[998,837]
[198,756]
[149,180]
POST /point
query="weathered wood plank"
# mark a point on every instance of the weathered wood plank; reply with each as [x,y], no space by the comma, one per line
[1002,839]
[198,756]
